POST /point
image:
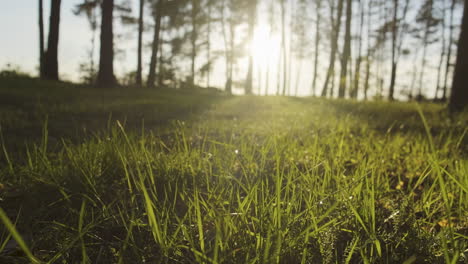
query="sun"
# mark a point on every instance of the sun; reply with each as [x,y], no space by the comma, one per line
[265,47]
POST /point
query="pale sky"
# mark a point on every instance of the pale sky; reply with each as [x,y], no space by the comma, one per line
[19,47]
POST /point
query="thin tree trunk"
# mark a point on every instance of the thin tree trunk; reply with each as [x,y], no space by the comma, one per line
[442,55]
[208,46]
[394,47]
[459,97]
[336,31]
[283,46]
[369,50]
[357,72]
[346,51]
[449,51]
[251,22]
[226,46]
[193,41]
[290,50]
[41,39]
[140,43]
[317,42]
[155,47]
[232,33]
[51,55]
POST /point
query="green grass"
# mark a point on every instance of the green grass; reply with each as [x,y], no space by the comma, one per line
[137,176]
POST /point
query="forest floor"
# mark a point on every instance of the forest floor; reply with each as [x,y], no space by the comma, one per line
[165,176]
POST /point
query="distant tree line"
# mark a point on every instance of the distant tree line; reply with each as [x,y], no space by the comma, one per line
[365,37]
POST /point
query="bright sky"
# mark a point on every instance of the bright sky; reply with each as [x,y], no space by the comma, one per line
[19,47]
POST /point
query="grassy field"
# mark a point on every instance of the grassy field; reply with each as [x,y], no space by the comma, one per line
[137,176]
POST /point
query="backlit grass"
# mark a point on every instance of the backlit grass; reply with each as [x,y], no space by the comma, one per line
[215,179]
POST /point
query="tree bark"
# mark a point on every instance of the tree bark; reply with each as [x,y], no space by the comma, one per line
[193,40]
[41,39]
[106,77]
[449,52]
[357,73]
[346,50]
[140,43]
[208,45]
[283,46]
[155,46]
[459,97]
[336,33]
[226,44]
[317,43]
[51,55]
[394,47]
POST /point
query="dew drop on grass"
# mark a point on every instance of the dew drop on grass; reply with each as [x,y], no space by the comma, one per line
[236,151]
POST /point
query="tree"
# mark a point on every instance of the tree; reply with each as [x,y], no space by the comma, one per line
[429,23]
[317,43]
[232,15]
[357,72]
[398,29]
[88,7]
[157,14]
[252,13]
[283,46]
[346,50]
[448,63]
[41,40]
[106,77]
[51,55]
[209,6]
[459,97]
[300,40]
[334,47]
[140,42]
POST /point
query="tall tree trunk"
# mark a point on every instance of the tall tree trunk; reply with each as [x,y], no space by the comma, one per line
[106,77]
[226,46]
[317,43]
[357,72]
[442,54]
[232,33]
[459,97]
[155,46]
[193,40]
[208,46]
[140,44]
[290,50]
[449,51]
[283,45]
[397,43]
[394,47]
[251,22]
[334,48]
[161,57]
[41,39]
[369,50]
[51,55]
[346,50]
